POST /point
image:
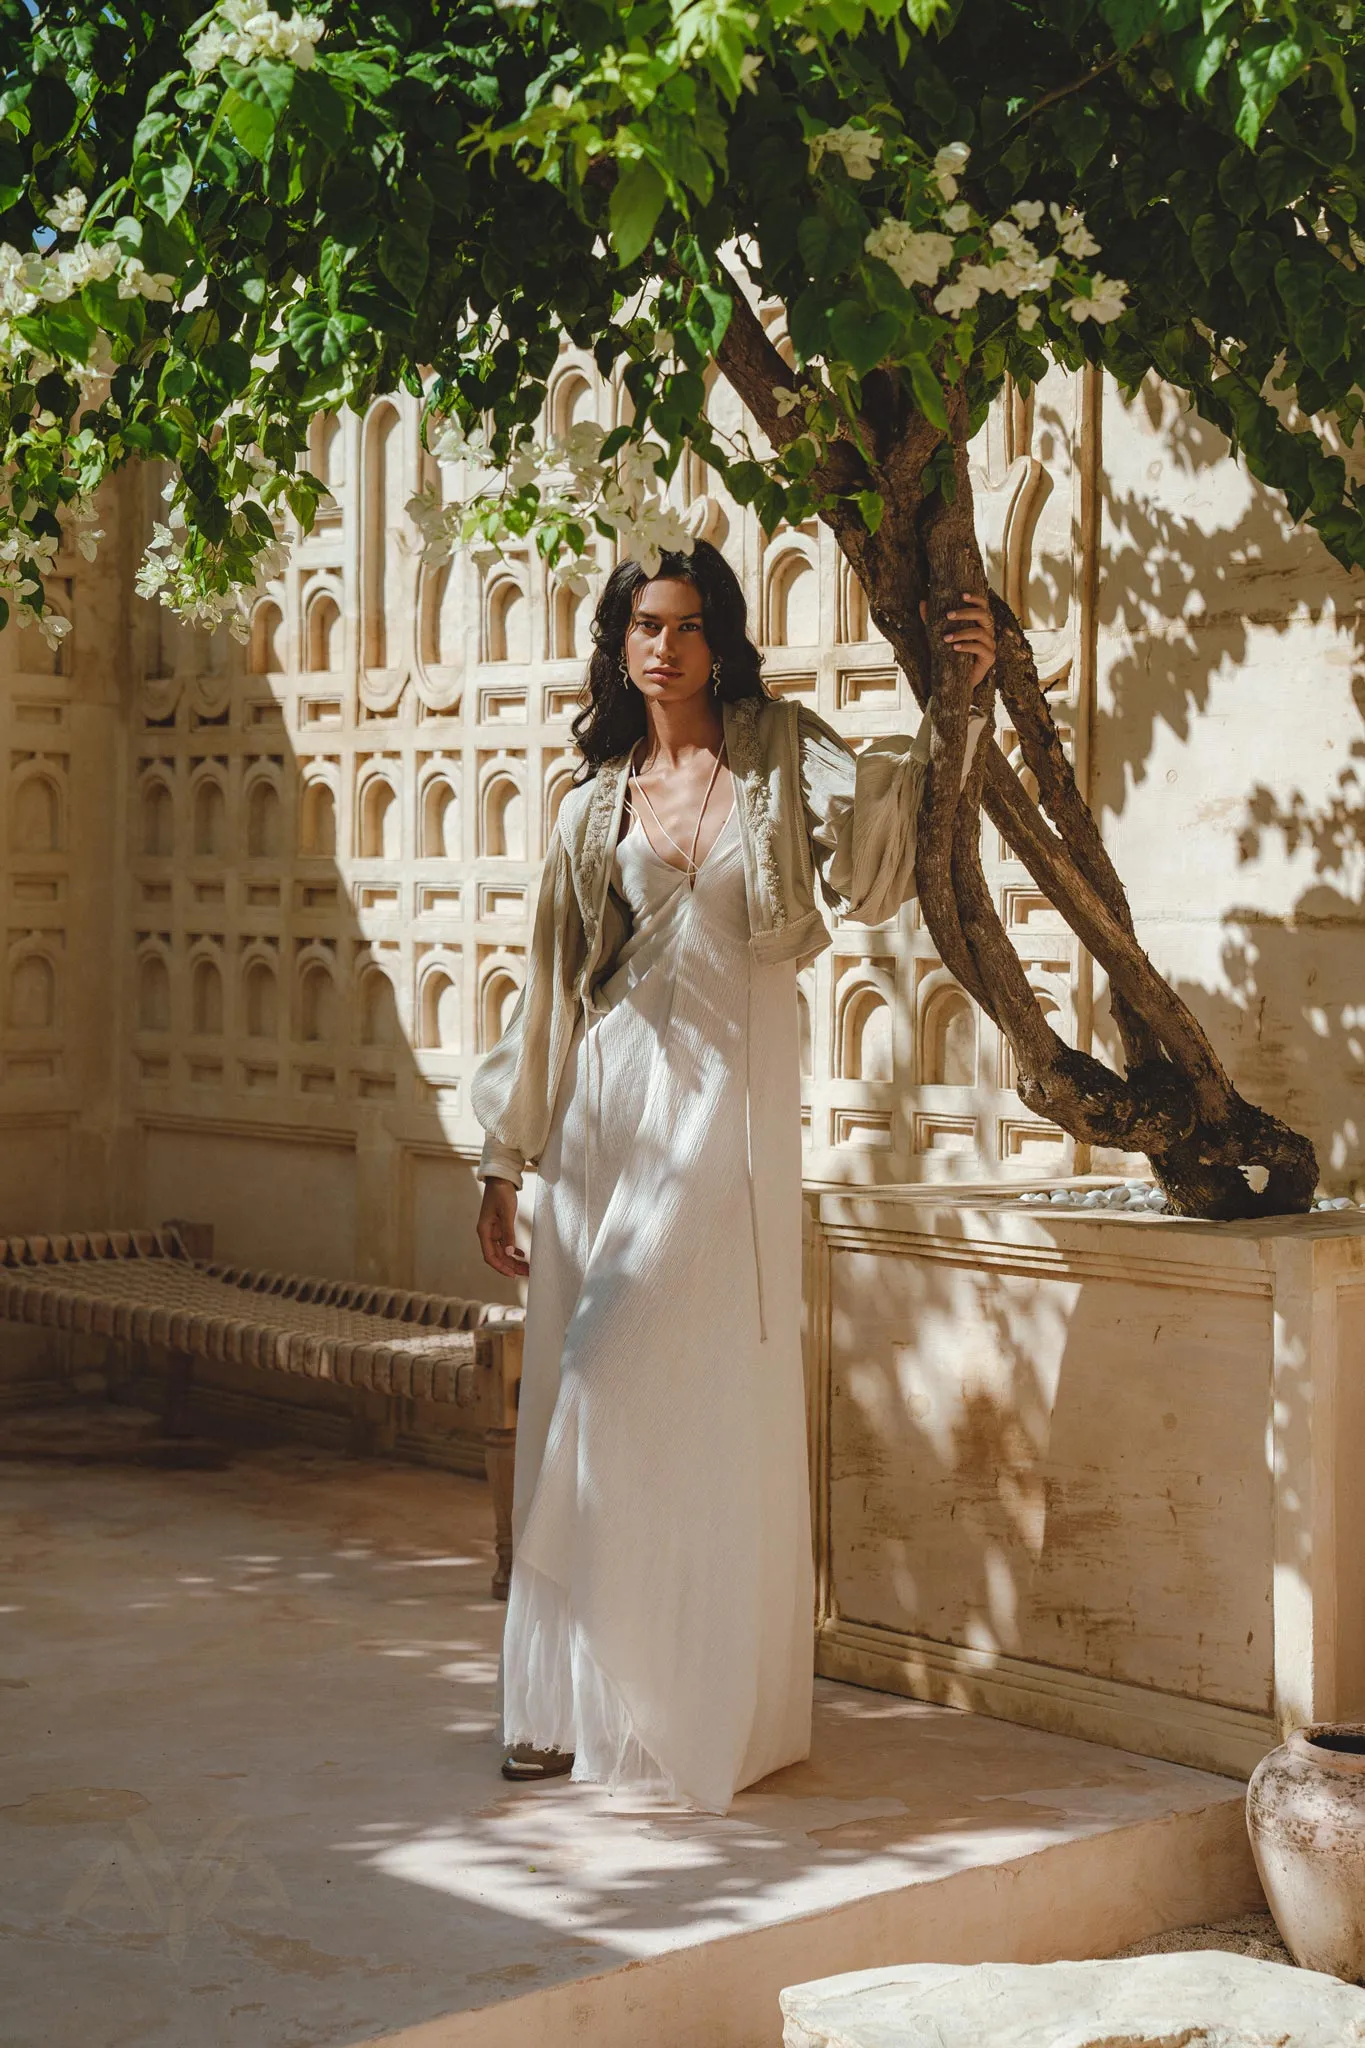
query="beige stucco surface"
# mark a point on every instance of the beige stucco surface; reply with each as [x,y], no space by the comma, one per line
[249,1799]
[266,907]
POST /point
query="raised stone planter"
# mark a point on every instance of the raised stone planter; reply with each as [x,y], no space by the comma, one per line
[1090,1470]
[1203,1998]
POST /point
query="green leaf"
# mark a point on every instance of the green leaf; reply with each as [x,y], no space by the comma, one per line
[862,339]
[1254,257]
[320,108]
[227,367]
[251,122]
[12,175]
[164,182]
[808,324]
[323,339]
[1300,289]
[928,393]
[1130,20]
[404,258]
[1281,176]
[636,203]
[1266,64]
[1081,129]
[1210,243]
[65,329]
[871,506]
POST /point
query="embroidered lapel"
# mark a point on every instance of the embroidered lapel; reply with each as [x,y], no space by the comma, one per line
[593,865]
[745,748]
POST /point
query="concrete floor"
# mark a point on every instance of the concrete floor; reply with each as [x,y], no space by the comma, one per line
[249,1799]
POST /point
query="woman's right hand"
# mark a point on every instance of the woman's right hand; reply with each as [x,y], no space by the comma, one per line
[498,1231]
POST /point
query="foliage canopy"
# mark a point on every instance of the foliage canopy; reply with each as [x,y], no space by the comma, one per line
[245,220]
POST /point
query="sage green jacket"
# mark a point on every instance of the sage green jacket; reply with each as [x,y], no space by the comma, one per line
[808,808]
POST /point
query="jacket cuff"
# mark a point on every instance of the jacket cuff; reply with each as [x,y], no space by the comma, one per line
[499,1162]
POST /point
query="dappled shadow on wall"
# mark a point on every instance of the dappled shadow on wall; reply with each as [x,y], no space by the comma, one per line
[1227,759]
[309,986]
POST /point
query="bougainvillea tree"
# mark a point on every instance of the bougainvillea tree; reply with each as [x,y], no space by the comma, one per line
[213,229]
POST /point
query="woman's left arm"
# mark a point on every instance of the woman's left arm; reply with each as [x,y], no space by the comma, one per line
[862,809]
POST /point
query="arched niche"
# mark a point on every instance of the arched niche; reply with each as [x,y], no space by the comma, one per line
[864,1036]
[440,1011]
[322,634]
[504,819]
[318,819]
[497,1001]
[35,819]
[440,820]
[317,1003]
[379,1025]
[265,647]
[804,1035]
[206,1000]
[381,610]
[572,401]
[508,636]
[948,1037]
[438,625]
[381,820]
[261,1000]
[557,787]
[793,603]
[210,819]
[153,994]
[31,999]
[263,834]
[327,451]
[158,821]
[571,624]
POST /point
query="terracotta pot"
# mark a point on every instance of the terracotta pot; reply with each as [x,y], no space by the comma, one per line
[1306,1817]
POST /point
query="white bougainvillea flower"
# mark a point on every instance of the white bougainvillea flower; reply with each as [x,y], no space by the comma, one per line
[1028,212]
[1107,300]
[859,149]
[949,164]
[749,68]
[67,211]
[1028,316]
[916,256]
[957,217]
[576,573]
[1072,232]
[787,401]
[244,31]
[149,284]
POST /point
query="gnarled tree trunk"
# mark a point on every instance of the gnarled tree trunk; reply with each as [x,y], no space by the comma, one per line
[1174,1101]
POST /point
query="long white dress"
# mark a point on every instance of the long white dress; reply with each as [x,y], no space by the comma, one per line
[659,1623]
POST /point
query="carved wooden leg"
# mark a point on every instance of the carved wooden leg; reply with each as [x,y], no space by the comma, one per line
[179,1387]
[499,1449]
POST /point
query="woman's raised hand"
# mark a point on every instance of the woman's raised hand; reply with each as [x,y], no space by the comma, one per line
[498,1231]
[973,634]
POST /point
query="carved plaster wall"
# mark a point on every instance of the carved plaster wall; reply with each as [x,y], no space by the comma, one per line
[269,905]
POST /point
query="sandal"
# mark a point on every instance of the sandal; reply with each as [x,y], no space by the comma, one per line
[527,1766]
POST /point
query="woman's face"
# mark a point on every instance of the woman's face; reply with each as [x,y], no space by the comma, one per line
[666,652]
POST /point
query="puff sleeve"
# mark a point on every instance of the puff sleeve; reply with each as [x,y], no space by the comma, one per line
[862,811]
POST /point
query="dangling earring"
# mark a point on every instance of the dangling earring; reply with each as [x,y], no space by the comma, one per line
[715,673]
[625,674]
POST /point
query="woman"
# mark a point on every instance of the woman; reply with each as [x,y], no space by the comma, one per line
[659,1621]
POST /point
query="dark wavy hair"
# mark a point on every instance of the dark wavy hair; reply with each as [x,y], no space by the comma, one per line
[613,718]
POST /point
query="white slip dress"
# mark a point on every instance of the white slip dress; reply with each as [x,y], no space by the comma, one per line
[660,1618]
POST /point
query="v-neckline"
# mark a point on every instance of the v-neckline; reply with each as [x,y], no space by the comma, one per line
[672,865]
